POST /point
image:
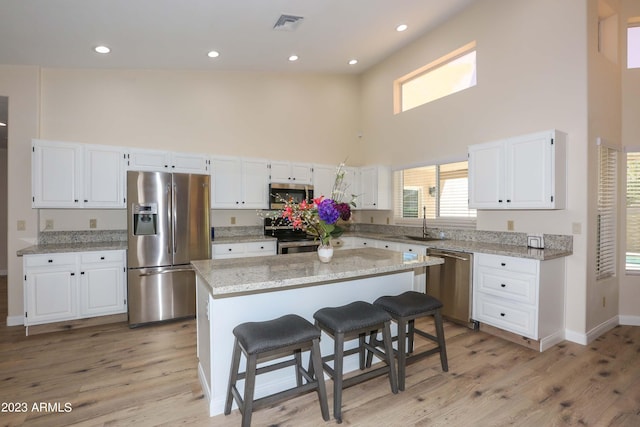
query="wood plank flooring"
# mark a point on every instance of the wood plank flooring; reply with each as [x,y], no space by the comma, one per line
[113,376]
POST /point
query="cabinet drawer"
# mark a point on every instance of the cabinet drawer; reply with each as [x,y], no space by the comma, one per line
[507,263]
[260,248]
[49,260]
[516,318]
[101,257]
[514,286]
[228,249]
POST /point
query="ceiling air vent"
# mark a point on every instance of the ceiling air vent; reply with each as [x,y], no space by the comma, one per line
[288,23]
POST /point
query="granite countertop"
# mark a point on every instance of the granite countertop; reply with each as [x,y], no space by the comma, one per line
[230,277]
[72,247]
[472,246]
[242,239]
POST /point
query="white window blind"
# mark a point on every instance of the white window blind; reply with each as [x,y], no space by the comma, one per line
[633,212]
[441,189]
[606,220]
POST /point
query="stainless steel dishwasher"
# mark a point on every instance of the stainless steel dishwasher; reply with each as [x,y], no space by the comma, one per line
[451,283]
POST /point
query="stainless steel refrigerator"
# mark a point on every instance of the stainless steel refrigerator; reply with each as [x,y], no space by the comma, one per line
[168,226]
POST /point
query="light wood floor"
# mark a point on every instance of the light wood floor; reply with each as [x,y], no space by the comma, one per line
[114,376]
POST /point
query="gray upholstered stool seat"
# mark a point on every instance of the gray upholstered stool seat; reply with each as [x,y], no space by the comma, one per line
[404,309]
[264,341]
[356,320]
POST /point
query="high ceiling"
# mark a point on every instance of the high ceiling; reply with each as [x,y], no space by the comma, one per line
[179,33]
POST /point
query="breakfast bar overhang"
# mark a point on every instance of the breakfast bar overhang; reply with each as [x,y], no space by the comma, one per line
[233,291]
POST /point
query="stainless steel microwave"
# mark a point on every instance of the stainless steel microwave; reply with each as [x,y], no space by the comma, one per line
[296,192]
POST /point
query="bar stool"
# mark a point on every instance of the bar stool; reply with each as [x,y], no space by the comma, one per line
[405,309]
[348,322]
[264,341]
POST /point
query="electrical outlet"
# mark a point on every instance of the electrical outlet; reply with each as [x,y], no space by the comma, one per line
[93,223]
[233,220]
[371,220]
[48,224]
[387,220]
[510,225]
[576,228]
[22,225]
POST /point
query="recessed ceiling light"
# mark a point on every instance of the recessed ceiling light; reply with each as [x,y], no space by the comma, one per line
[293,58]
[353,61]
[401,27]
[102,49]
[213,54]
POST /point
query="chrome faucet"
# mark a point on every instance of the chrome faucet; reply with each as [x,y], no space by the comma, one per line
[424,222]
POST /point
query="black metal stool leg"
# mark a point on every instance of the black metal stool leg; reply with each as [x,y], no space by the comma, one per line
[315,360]
[441,344]
[233,376]
[249,388]
[337,376]
[388,349]
[402,351]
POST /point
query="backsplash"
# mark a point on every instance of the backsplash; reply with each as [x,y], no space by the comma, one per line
[93,236]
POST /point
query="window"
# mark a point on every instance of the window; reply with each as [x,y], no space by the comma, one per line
[606,219]
[439,191]
[633,43]
[447,75]
[633,213]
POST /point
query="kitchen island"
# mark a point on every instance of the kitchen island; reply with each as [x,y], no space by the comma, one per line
[233,291]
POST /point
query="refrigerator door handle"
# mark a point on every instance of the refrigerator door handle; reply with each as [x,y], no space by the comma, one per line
[174,214]
[175,270]
[170,218]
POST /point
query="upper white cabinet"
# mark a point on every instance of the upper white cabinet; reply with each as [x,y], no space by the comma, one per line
[323,179]
[375,188]
[525,172]
[70,175]
[239,183]
[298,173]
[157,160]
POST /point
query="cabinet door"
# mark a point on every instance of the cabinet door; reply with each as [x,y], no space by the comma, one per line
[50,295]
[103,177]
[302,173]
[226,182]
[529,171]
[352,186]
[102,290]
[255,184]
[369,188]
[486,176]
[323,179]
[56,172]
[189,163]
[148,160]
[280,171]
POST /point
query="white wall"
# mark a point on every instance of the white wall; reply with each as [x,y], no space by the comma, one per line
[21,85]
[3,210]
[531,76]
[629,285]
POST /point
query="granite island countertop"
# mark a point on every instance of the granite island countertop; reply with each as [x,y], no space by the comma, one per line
[231,277]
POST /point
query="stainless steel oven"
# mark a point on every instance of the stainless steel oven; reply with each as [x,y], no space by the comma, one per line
[290,240]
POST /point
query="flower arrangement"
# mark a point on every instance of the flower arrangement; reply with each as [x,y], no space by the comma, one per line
[319,217]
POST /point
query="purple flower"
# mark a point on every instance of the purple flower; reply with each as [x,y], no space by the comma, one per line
[345,211]
[328,212]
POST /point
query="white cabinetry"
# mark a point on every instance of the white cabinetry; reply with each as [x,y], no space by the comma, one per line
[238,183]
[241,250]
[323,179]
[159,160]
[71,175]
[375,187]
[522,296]
[102,283]
[68,286]
[298,173]
[525,172]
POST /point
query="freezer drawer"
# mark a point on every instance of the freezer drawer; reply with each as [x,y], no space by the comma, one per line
[157,294]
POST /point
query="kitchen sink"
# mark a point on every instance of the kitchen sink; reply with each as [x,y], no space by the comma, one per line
[420,238]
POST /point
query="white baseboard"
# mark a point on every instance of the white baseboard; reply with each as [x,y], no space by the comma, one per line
[15,320]
[629,320]
[584,339]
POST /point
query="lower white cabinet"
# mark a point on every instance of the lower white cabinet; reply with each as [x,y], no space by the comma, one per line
[67,286]
[244,249]
[519,295]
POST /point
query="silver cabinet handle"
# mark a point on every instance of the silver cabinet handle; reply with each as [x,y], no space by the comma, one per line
[176,270]
[448,255]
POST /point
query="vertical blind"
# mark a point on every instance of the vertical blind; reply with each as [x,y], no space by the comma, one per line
[606,220]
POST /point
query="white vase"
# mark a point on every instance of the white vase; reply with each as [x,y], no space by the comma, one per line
[325,252]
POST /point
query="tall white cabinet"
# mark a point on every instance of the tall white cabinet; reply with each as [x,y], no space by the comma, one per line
[524,172]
